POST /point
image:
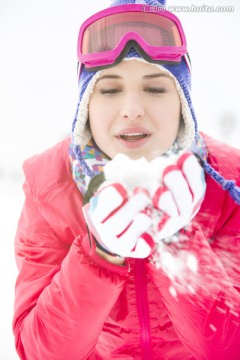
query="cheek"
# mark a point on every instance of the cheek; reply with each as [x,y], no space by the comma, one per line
[168,113]
[177,115]
[97,127]
[95,115]
[99,123]
[174,105]
[175,110]
[102,114]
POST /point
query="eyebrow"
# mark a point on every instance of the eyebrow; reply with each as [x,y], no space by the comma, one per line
[150,76]
[154,76]
[109,77]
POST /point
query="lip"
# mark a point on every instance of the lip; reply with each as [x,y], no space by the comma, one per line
[133,143]
[133,130]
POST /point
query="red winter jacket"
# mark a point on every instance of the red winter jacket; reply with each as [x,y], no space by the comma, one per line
[73,305]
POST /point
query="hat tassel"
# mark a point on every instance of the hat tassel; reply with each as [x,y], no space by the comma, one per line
[228,185]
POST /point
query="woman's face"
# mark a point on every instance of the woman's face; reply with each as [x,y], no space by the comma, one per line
[134,110]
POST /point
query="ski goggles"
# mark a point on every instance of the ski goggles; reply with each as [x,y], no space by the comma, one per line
[105,37]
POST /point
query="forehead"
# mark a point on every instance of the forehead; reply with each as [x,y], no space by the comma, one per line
[135,67]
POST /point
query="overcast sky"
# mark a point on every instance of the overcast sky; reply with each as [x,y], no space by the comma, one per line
[38,95]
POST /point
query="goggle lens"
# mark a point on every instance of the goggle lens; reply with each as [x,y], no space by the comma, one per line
[105,34]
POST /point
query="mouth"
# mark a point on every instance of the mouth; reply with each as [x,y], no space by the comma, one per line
[134,136]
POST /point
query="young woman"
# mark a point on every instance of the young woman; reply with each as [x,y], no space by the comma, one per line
[150,272]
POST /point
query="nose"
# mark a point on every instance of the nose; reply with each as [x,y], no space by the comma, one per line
[132,107]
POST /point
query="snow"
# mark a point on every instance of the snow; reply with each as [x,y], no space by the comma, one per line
[138,173]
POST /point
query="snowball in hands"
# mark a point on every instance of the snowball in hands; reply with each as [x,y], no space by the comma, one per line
[142,202]
[175,183]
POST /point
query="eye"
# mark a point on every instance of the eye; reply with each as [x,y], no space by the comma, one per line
[109,91]
[155,90]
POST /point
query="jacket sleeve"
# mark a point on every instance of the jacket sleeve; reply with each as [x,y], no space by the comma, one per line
[206,310]
[57,313]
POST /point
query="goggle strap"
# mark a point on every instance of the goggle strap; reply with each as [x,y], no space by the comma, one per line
[188,61]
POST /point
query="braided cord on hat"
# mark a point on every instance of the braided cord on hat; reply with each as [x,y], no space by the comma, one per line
[228,185]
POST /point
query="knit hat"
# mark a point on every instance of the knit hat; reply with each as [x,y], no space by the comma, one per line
[188,134]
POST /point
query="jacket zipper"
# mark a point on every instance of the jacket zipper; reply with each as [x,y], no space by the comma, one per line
[143,310]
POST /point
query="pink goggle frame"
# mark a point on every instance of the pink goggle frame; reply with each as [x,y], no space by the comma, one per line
[104,36]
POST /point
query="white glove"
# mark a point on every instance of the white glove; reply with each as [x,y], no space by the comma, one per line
[180,197]
[119,220]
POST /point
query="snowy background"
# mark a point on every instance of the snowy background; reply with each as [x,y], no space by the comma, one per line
[38,96]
